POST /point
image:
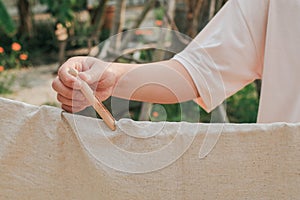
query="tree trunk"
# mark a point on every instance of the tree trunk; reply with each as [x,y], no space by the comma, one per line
[258,88]
[118,23]
[145,110]
[25,17]
[171,8]
[219,4]
[98,17]
[193,16]
[212,9]
[149,5]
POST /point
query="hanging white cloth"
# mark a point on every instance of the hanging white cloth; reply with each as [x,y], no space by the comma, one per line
[49,154]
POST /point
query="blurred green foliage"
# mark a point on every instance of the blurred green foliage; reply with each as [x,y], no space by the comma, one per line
[159,13]
[14,59]
[243,106]
[6,22]
[6,81]
[63,10]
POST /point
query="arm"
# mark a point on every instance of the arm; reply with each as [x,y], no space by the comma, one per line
[160,82]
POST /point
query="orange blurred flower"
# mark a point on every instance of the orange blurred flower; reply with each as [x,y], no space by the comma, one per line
[143,32]
[158,22]
[155,114]
[1,68]
[1,50]
[16,46]
[23,56]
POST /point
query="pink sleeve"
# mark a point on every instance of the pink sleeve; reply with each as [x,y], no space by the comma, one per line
[228,54]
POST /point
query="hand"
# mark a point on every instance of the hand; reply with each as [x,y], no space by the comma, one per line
[95,72]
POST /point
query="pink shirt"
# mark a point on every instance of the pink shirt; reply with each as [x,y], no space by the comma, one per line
[248,40]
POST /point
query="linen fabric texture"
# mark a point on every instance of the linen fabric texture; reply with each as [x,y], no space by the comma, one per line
[49,154]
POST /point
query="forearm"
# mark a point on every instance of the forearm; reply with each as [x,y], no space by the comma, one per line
[161,82]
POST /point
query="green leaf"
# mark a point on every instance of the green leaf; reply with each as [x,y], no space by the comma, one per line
[6,22]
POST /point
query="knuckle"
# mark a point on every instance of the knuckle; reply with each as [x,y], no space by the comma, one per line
[59,98]
[69,94]
[68,80]
[54,85]
[65,107]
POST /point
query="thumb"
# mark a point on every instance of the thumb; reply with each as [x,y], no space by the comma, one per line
[92,75]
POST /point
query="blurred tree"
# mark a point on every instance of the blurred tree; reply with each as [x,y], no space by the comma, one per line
[6,22]
[147,7]
[194,10]
[63,10]
[192,15]
[242,107]
[25,17]
[118,23]
[98,17]
[212,9]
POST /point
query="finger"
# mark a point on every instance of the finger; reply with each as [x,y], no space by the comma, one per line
[94,73]
[67,92]
[68,79]
[71,102]
[72,109]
